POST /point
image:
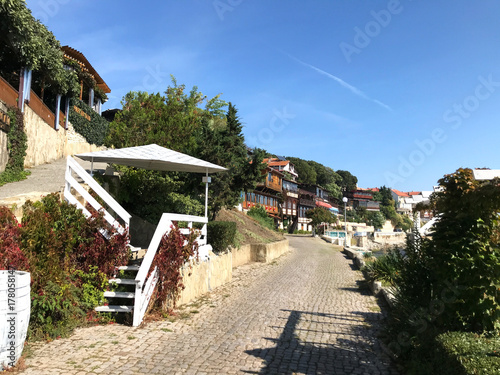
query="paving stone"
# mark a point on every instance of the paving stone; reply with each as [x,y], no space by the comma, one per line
[302,314]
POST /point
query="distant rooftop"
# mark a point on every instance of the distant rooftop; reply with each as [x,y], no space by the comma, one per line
[486,174]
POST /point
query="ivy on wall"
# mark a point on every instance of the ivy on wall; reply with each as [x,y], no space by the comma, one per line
[17,143]
[94,130]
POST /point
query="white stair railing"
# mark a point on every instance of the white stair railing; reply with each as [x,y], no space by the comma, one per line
[73,167]
[145,285]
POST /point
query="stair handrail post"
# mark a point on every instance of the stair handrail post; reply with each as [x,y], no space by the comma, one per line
[164,227]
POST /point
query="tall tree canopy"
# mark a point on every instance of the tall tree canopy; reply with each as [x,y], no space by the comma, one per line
[188,123]
[348,181]
[226,147]
[314,173]
[26,43]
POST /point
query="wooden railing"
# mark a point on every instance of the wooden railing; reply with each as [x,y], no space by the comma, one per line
[73,167]
[8,93]
[11,96]
[144,285]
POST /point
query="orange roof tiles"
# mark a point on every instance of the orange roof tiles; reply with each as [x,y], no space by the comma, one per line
[400,193]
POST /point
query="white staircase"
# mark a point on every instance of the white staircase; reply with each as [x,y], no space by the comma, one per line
[121,296]
[138,286]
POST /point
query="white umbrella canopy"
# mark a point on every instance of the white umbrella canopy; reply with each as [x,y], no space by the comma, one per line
[152,157]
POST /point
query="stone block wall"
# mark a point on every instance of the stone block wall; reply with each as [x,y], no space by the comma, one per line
[45,144]
[205,276]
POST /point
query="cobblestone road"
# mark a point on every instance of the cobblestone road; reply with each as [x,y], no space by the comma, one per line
[302,314]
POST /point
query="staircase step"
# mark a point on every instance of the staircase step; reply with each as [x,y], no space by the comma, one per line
[132,267]
[134,249]
[122,281]
[119,294]
[114,308]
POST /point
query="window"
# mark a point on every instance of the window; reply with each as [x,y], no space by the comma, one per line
[293,205]
[269,177]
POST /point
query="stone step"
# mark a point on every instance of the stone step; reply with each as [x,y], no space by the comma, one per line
[122,281]
[114,308]
[134,249]
[119,294]
[131,267]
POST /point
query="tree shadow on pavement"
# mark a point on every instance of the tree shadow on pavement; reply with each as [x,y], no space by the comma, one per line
[321,343]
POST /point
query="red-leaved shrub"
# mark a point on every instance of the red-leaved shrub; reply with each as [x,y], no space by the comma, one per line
[172,255]
[11,255]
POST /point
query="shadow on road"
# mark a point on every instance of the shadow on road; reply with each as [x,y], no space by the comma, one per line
[355,349]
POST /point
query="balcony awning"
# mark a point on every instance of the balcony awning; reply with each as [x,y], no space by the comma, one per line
[152,157]
[323,204]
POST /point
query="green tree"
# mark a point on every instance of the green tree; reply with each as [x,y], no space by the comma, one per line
[467,237]
[175,120]
[348,181]
[376,219]
[307,174]
[320,215]
[26,43]
[226,147]
[450,282]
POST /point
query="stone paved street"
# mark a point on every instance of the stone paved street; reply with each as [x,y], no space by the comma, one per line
[302,314]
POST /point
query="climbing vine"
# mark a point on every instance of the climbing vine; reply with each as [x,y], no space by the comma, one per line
[17,143]
[173,254]
[87,122]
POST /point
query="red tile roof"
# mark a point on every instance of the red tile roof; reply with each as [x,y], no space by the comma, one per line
[414,192]
[400,193]
[275,162]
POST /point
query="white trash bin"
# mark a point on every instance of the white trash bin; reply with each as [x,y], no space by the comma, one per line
[15,304]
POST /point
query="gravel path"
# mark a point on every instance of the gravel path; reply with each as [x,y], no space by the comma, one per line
[302,314]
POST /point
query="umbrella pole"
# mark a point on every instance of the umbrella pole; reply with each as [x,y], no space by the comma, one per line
[206,179]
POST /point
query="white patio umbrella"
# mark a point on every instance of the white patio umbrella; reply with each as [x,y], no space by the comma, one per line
[154,157]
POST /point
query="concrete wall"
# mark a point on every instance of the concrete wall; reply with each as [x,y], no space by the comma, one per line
[392,238]
[45,144]
[205,276]
[242,256]
[268,252]
[388,227]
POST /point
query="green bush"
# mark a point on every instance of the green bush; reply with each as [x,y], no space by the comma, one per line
[386,268]
[221,235]
[68,258]
[95,130]
[301,232]
[465,353]
[259,213]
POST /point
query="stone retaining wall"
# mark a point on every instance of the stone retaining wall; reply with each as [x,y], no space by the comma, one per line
[205,276]
[375,286]
[45,144]
[242,256]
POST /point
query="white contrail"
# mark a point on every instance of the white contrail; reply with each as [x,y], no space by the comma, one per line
[353,89]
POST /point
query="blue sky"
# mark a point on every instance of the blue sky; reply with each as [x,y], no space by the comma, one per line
[397,92]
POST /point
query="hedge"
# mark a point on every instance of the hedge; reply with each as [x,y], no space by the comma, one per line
[465,353]
[221,235]
[95,130]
